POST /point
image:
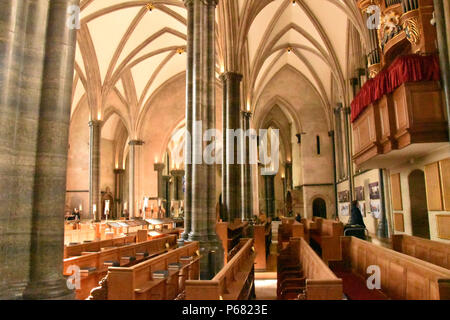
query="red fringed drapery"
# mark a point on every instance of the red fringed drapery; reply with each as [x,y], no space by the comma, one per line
[409,68]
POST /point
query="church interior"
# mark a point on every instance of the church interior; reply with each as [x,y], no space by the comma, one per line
[224,150]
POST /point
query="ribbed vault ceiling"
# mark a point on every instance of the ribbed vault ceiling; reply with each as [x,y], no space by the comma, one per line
[127,50]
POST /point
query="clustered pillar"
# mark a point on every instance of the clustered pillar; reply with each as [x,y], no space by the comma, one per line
[200,217]
[232,148]
[132,164]
[94,170]
[247,171]
[47,227]
[118,191]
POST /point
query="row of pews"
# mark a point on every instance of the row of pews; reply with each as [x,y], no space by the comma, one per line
[417,269]
[88,263]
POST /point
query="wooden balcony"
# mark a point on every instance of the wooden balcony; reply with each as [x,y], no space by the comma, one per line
[402,125]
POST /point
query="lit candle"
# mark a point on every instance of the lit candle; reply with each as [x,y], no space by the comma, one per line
[125,207]
[94,210]
[81,207]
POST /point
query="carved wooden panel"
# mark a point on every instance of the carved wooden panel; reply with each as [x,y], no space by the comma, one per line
[443,226]
[445,179]
[399,224]
[396,191]
[433,184]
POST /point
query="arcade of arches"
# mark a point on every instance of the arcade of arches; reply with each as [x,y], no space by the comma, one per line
[96,107]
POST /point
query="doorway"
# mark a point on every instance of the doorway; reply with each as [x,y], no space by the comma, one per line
[319,208]
[418,199]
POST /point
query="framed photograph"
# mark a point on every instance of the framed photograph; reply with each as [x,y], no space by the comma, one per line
[344,209]
[344,196]
[359,193]
[375,208]
[374,190]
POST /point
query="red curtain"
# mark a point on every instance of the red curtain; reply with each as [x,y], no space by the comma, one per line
[408,68]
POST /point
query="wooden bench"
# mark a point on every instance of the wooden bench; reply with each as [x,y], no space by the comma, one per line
[96,246]
[437,253]
[302,274]
[402,277]
[230,235]
[326,234]
[289,228]
[94,265]
[139,282]
[262,235]
[234,282]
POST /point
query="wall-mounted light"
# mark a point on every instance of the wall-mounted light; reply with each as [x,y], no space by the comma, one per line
[289,49]
[181,51]
[293,2]
[150,6]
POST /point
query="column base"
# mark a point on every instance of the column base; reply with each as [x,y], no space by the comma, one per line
[49,290]
[12,291]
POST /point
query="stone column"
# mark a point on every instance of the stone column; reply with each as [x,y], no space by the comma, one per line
[247,181]
[132,162]
[177,176]
[270,194]
[289,181]
[233,146]
[159,167]
[95,128]
[189,116]
[202,180]
[14,216]
[166,193]
[47,237]
[118,191]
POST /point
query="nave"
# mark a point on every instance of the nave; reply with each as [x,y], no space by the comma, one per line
[224,150]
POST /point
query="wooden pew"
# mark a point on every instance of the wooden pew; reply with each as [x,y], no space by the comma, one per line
[138,282]
[230,235]
[302,274]
[94,265]
[289,228]
[262,235]
[402,277]
[96,246]
[326,234]
[234,282]
[437,253]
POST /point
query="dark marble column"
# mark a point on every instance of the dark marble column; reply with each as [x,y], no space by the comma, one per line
[270,195]
[47,237]
[159,167]
[14,227]
[233,146]
[166,193]
[118,192]
[132,207]
[289,180]
[95,128]
[177,179]
[247,181]
[202,180]
[189,116]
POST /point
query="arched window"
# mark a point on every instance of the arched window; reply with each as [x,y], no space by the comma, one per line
[319,208]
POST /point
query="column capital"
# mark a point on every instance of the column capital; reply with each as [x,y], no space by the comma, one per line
[95,123]
[119,171]
[228,75]
[177,173]
[159,166]
[136,142]
[205,2]
[247,114]
[347,110]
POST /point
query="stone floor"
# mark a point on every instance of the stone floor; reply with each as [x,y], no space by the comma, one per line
[266,282]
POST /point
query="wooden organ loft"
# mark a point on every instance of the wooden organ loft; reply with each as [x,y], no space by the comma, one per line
[399,112]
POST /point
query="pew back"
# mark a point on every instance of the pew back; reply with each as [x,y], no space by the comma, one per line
[434,252]
[139,283]
[321,282]
[402,277]
[98,262]
[234,282]
[96,246]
